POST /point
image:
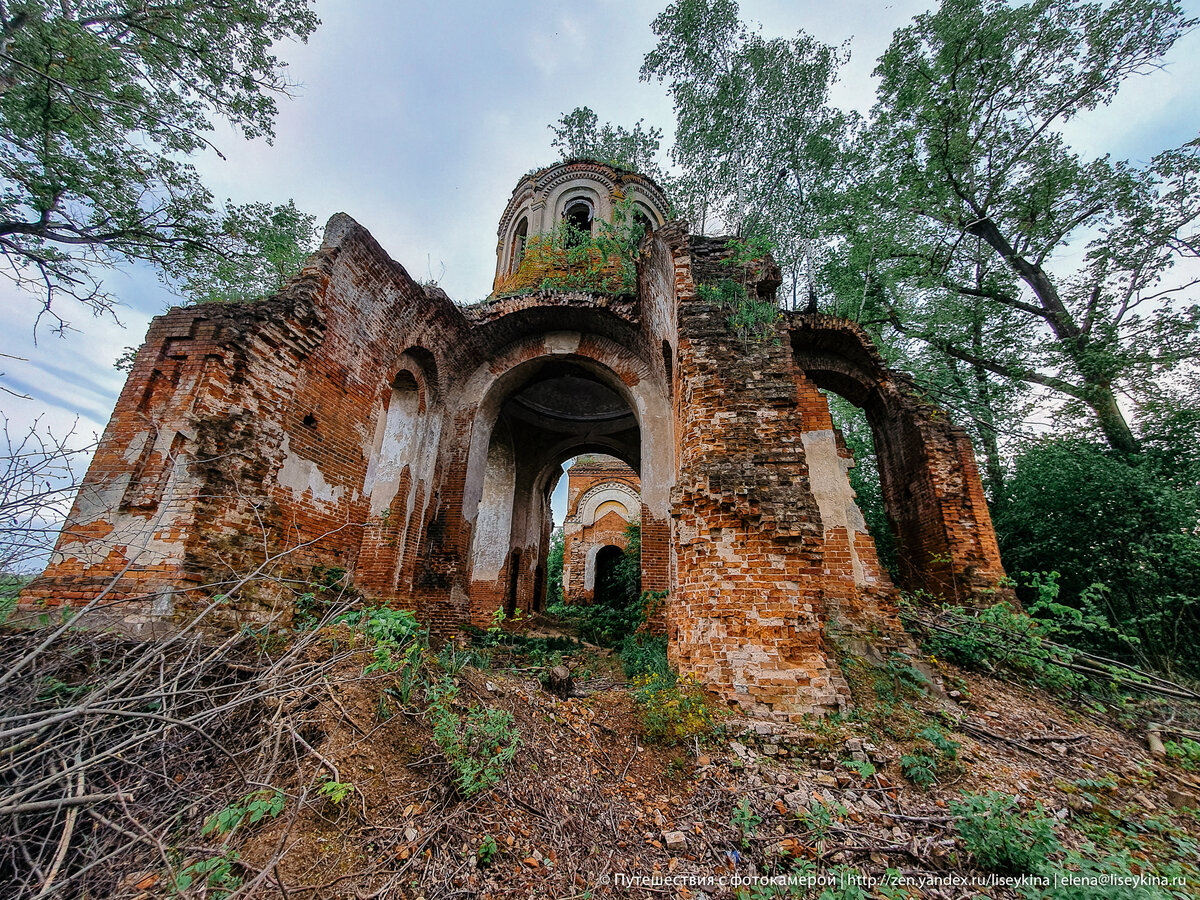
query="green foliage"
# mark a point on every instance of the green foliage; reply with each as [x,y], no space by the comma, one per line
[919,768]
[102,103]
[756,138]
[1000,837]
[674,709]
[621,586]
[477,746]
[998,637]
[216,874]
[399,644]
[644,655]
[554,568]
[933,756]
[745,821]
[260,247]
[898,679]
[601,261]
[1121,534]
[752,319]
[947,748]
[488,849]
[973,176]
[453,659]
[326,585]
[1184,753]
[622,607]
[578,135]
[336,792]
[817,818]
[249,810]
[864,768]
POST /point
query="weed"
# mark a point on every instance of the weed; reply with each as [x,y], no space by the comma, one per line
[215,874]
[477,747]
[899,679]
[946,747]
[643,654]
[863,767]
[453,660]
[751,319]
[249,810]
[1185,754]
[1000,837]
[745,821]
[488,848]
[674,709]
[817,818]
[311,606]
[919,768]
[336,792]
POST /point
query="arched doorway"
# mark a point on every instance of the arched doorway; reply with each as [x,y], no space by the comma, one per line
[932,493]
[613,587]
[534,416]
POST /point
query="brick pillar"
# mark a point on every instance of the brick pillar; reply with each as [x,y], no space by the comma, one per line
[748,611]
[656,575]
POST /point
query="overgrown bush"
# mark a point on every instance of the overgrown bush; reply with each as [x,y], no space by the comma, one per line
[623,608]
[570,258]
[750,318]
[1098,517]
[477,746]
[674,709]
[1000,837]
[1000,637]
[644,654]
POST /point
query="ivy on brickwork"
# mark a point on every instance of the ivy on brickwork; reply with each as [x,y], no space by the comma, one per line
[570,258]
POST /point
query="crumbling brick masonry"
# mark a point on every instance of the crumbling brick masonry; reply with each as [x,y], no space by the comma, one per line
[360,423]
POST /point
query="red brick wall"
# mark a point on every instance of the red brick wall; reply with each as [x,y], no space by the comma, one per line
[246,445]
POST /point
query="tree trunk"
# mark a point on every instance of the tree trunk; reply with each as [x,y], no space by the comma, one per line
[994,472]
[1116,430]
[1072,339]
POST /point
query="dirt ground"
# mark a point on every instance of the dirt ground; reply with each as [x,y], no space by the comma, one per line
[589,808]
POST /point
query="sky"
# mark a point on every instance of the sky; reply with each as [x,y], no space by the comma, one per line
[418,119]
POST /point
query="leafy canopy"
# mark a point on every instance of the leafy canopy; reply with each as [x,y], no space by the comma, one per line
[579,134]
[260,247]
[981,197]
[101,102]
[756,136]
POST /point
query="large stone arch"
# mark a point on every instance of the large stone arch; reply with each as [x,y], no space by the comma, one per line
[931,486]
[644,441]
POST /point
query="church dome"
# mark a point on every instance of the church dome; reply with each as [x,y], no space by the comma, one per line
[580,193]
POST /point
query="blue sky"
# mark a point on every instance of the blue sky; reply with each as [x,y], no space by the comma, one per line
[418,119]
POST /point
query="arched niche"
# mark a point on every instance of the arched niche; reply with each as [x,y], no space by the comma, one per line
[400,470]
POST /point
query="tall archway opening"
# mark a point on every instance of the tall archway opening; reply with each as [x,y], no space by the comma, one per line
[932,497]
[548,410]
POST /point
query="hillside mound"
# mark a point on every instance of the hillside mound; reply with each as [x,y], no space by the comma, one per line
[352,761]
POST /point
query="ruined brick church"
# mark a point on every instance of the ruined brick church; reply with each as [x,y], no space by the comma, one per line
[360,421]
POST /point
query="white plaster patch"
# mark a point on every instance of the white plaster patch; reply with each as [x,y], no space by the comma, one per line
[561,342]
[303,476]
[830,484]
[493,526]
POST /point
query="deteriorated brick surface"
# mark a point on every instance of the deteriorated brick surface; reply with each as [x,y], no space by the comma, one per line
[360,423]
[593,486]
